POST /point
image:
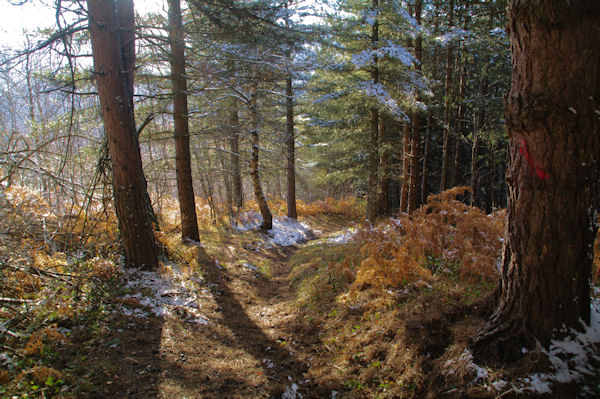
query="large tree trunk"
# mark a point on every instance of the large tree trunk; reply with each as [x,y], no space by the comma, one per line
[415,138]
[126,23]
[447,104]
[374,128]
[234,149]
[424,172]
[289,147]
[183,169]
[554,132]
[117,112]
[267,223]
[406,162]
[459,123]
[384,183]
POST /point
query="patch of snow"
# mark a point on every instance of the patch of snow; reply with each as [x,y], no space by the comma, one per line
[163,295]
[571,358]
[251,267]
[343,237]
[466,360]
[499,385]
[285,232]
[291,392]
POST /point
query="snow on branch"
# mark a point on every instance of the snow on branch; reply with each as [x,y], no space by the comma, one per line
[391,50]
[378,92]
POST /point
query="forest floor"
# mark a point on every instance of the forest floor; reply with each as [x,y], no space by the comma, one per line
[267,315]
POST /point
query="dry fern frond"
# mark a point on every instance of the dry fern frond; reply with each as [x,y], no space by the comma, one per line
[445,230]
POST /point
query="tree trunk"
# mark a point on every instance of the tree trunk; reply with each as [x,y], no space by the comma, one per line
[554,149]
[290,146]
[374,128]
[384,189]
[234,137]
[415,137]
[267,223]
[474,177]
[459,123]
[425,160]
[126,23]
[183,169]
[406,162]
[447,103]
[117,112]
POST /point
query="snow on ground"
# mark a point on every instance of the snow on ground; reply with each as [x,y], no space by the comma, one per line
[572,358]
[285,232]
[165,295]
[466,363]
[342,237]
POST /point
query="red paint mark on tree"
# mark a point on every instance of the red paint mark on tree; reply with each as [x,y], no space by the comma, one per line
[534,164]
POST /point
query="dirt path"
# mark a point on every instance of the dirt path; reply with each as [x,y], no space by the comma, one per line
[248,349]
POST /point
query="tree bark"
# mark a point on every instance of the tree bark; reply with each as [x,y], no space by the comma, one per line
[406,162]
[374,128]
[114,92]
[183,168]
[459,123]
[126,24]
[384,183]
[415,138]
[290,147]
[447,103]
[554,149]
[267,223]
[424,172]
[234,149]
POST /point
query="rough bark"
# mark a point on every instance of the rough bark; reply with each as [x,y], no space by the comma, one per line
[374,128]
[554,148]
[183,168]
[460,114]
[114,91]
[406,162]
[267,223]
[234,149]
[447,103]
[126,26]
[290,147]
[384,184]
[415,138]
[424,172]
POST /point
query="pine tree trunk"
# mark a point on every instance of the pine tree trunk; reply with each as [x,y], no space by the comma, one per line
[415,138]
[474,177]
[290,147]
[425,160]
[234,149]
[126,23]
[384,189]
[114,91]
[447,103]
[554,150]
[267,223]
[183,169]
[459,123]
[374,129]
[406,162]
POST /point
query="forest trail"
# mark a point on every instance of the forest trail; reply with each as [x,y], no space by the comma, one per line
[249,343]
[247,349]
